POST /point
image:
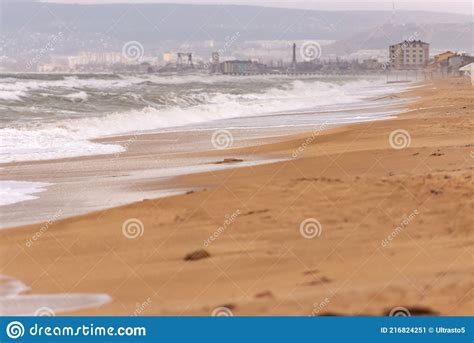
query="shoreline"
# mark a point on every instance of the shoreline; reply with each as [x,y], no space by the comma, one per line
[180,152]
[357,187]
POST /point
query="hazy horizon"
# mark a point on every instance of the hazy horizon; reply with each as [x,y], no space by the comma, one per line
[57,31]
[459,7]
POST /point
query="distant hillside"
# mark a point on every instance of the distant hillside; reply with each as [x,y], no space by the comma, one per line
[440,36]
[29,25]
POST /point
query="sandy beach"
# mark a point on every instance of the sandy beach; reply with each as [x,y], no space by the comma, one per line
[356,220]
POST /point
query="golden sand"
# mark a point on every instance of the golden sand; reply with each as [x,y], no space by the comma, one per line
[385,228]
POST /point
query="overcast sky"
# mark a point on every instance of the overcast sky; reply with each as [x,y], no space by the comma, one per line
[464,7]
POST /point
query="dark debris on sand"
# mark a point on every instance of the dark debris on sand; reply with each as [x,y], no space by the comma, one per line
[229,160]
[197,255]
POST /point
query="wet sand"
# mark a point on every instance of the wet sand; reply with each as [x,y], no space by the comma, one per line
[81,185]
[393,227]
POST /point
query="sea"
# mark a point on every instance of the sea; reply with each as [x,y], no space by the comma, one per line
[56,116]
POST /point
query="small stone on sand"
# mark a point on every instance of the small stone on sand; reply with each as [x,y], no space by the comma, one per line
[197,255]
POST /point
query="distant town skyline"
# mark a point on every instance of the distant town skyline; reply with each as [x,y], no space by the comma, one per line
[461,7]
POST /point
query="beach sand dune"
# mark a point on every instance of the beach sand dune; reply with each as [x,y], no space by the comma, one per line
[367,218]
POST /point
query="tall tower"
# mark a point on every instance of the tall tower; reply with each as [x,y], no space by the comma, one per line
[190,60]
[180,64]
[293,61]
[215,60]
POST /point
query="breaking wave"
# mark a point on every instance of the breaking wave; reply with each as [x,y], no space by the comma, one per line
[56,117]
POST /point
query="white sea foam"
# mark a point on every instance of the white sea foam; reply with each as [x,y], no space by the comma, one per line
[79,96]
[48,143]
[299,95]
[25,85]
[69,136]
[216,106]
[11,94]
[15,191]
[13,303]
[10,287]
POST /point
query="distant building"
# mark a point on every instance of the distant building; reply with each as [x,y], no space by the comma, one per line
[215,62]
[444,56]
[87,57]
[241,67]
[293,60]
[145,67]
[371,64]
[167,57]
[468,70]
[448,63]
[409,55]
[458,61]
[52,68]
